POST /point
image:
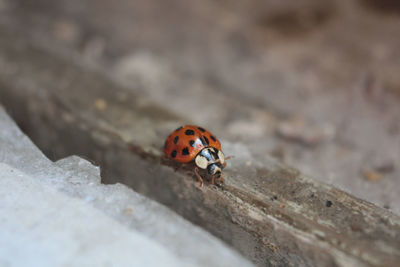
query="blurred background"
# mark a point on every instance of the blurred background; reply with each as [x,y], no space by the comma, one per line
[312,83]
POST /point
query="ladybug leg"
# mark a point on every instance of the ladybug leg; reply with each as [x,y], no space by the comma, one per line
[213,180]
[196,171]
[220,180]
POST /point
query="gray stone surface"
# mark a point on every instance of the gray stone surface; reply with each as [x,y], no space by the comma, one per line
[58,214]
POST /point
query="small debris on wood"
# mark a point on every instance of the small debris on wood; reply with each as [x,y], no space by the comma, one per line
[372,176]
[385,168]
[100,104]
[274,198]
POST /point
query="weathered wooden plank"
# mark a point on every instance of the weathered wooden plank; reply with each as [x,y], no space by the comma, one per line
[272,214]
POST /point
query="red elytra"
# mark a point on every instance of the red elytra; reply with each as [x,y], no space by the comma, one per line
[193,143]
[187,142]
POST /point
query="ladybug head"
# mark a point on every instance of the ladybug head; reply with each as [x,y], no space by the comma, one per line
[215,169]
[211,159]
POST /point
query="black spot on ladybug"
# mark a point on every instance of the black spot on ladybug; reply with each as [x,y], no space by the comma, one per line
[328,203]
[214,152]
[177,129]
[201,129]
[189,132]
[185,151]
[173,154]
[191,143]
[213,138]
[176,139]
[206,139]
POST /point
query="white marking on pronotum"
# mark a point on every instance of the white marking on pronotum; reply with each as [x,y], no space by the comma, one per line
[201,162]
[221,156]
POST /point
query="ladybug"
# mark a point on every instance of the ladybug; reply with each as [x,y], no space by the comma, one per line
[192,143]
